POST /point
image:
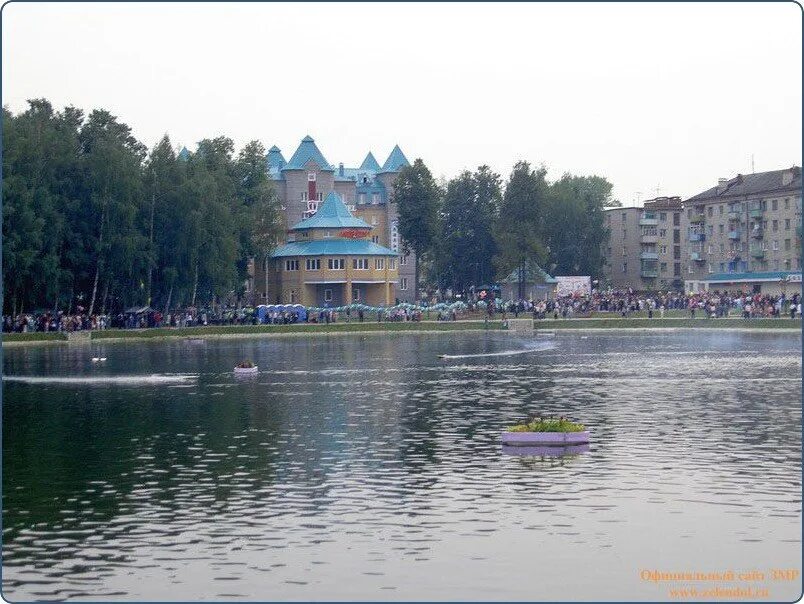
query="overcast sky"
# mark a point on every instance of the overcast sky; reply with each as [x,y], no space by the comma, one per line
[655,95]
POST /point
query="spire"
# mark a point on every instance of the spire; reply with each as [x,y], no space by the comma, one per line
[307,151]
[184,154]
[396,161]
[370,163]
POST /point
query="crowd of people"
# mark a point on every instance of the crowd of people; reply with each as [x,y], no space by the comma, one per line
[709,304]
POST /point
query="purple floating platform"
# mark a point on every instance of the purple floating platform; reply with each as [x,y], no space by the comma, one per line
[550,439]
[544,451]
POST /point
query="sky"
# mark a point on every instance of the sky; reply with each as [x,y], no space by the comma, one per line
[658,98]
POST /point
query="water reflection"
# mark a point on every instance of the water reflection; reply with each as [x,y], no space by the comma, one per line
[366,467]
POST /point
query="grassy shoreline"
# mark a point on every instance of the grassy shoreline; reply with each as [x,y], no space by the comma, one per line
[247,331]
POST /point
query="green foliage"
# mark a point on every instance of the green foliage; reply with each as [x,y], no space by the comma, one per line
[418,198]
[574,225]
[539,424]
[466,245]
[520,230]
[90,219]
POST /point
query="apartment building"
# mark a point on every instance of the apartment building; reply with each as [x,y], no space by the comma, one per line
[745,230]
[644,251]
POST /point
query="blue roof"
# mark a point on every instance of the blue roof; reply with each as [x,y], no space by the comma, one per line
[767,276]
[275,162]
[396,161]
[332,247]
[332,214]
[306,152]
[184,154]
[370,163]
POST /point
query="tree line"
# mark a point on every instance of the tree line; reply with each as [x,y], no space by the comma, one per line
[473,231]
[92,218]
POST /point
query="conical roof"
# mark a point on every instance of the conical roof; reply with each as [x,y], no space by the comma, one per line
[331,214]
[307,151]
[396,161]
[370,163]
[275,158]
[184,154]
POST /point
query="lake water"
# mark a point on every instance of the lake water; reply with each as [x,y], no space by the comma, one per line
[365,467]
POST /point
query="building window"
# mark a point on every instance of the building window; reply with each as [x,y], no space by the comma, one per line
[336,264]
[392,263]
[374,221]
[710,211]
[403,260]
[720,209]
[663,267]
[623,233]
[774,204]
[625,267]
[403,284]
[711,229]
[786,224]
[291,265]
[304,196]
[709,268]
[379,263]
[360,264]
[361,198]
[676,269]
[662,249]
[676,218]
[786,203]
[720,229]
[327,295]
[375,238]
[624,215]
[690,270]
[327,235]
[775,245]
[787,245]
[625,251]
[313,264]
[775,225]
[375,198]
[293,296]
[663,216]
[662,232]
[355,294]
[320,197]
[721,248]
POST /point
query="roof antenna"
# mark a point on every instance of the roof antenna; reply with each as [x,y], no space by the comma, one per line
[752,164]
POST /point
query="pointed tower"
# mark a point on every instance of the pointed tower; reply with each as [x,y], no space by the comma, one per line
[396,161]
[370,163]
[307,152]
[184,154]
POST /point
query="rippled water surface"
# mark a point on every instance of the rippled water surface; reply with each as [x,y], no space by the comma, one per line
[365,467]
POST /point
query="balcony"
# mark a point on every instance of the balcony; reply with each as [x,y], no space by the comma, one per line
[735,234]
[650,238]
[697,237]
[757,253]
[648,220]
[649,256]
[755,213]
[735,214]
[649,273]
[757,233]
[697,218]
[696,256]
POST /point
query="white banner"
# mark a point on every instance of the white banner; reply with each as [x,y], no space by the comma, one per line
[570,285]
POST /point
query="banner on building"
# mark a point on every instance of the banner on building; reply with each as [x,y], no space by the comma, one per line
[567,286]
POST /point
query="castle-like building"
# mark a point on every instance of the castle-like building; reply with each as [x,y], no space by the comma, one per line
[343,243]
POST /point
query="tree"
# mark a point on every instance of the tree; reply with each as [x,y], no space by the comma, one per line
[520,230]
[417,197]
[466,243]
[575,224]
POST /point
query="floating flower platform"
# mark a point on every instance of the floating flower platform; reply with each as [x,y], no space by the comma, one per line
[546,432]
[544,451]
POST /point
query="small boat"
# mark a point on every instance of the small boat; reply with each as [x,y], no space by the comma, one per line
[550,439]
[98,359]
[246,368]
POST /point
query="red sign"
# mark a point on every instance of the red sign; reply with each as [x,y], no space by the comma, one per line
[353,233]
